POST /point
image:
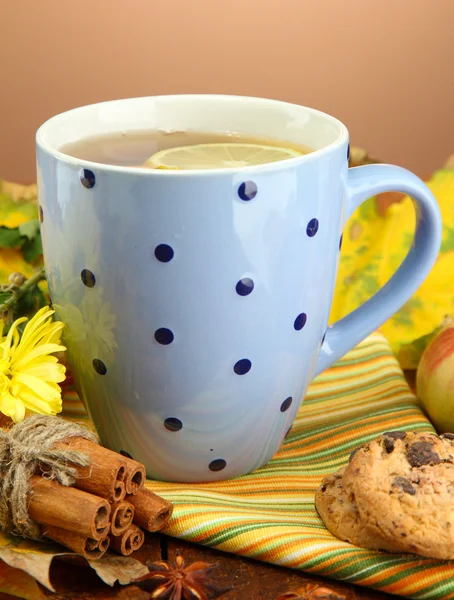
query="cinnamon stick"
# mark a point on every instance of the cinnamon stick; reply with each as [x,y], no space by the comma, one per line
[151,511]
[83,545]
[106,473]
[135,476]
[51,503]
[129,541]
[122,515]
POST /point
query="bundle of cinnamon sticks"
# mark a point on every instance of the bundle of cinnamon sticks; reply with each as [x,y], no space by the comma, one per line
[107,506]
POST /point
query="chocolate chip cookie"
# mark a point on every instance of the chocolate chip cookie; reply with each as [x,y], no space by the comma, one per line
[341,517]
[402,485]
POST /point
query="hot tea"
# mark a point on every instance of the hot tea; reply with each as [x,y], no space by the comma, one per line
[190,149]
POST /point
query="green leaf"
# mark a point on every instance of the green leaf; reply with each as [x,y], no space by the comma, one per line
[29,229]
[368,209]
[4,296]
[32,249]
[410,354]
[9,238]
[28,304]
[25,208]
[40,298]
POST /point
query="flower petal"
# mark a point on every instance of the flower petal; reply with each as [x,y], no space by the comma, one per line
[34,403]
[46,370]
[12,337]
[30,373]
[54,334]
[12,407]
[33,340]
[38,351]
[41,388]
[37,327]
[39,319]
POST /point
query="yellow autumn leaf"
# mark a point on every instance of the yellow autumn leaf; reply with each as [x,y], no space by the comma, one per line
[18,204]
[373,248]
[19,192]
[12,261]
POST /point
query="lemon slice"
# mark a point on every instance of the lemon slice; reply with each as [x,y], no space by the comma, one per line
[218,156]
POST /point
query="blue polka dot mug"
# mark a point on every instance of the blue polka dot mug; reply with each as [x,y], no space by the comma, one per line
[196,302]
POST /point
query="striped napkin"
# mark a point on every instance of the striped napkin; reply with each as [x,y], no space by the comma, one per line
[270,515]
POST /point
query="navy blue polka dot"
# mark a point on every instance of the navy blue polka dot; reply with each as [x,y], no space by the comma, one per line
[340,242]
[286,404]
[87,178]
[99,366]
[245,286]
[163,336]
[243,366]
[41,214]
[247,190]
[88,278]
[312,227]
[173,424]
[300,321]
[323,338]
[164,253]
[217,465]
[348,152]
[126,454]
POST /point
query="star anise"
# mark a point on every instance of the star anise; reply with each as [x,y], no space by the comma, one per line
[312,591]
[175,581]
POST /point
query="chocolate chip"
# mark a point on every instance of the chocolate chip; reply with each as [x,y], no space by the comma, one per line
[405,485]
[323,488]
[395,435]
[422,453]
[403,534]
[354,452]
[448,436]
[390,437]
[388,443]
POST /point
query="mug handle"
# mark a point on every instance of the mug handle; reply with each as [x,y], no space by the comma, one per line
[364,182]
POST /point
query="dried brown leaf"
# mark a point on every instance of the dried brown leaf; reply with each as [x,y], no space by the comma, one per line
[35,564]
[113,568]
[18,584]
[35,559]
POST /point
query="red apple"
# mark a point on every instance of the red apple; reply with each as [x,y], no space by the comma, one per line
[435,380]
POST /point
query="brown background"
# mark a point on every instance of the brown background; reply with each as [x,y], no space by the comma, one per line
[383,67]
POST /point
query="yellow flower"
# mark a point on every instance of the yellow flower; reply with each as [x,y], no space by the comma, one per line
[29,374]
